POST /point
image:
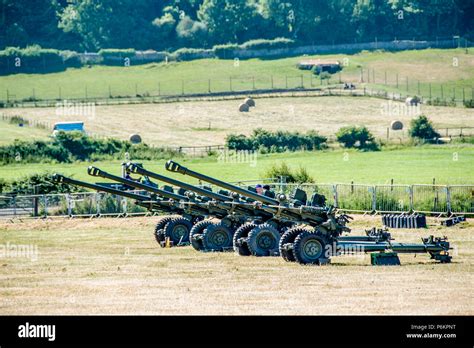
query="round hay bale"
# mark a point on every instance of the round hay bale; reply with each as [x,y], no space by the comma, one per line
[250,102]
[244,107]
[396,125]
[135,139]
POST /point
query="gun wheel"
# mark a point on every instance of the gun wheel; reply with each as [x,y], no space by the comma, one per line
[178,230]
[289,238]
[309,248]
[242,232]
[196,231]
[263,239]
[217,237]
[159,233]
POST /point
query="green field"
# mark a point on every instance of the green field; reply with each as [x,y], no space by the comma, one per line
[448,164]
[10,132]
[453,68]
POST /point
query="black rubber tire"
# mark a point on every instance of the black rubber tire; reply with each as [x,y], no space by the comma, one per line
[262,239]
[178,230]
[309,248]
[289,237]
[241,232]
[159,233]
[198,228]
[217,237]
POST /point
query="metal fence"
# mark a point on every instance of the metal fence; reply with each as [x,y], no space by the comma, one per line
[431,199]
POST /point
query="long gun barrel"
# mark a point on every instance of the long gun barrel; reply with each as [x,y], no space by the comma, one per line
[64,179]
[134,168]
[94,171]
[175,167]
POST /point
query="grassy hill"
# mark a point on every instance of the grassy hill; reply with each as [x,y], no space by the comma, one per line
[452,68]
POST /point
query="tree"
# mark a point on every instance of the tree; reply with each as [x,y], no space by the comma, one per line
[110,23]
[229,20]
[356,137]
[421,128]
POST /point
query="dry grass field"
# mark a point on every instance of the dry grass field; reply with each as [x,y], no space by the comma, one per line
[188,123]
[114,266]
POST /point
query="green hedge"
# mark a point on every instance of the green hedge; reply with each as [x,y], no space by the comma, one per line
[185,54]
[115,56]
[76,146]
[225,51]
[263,44]
[32,59]
[280,141]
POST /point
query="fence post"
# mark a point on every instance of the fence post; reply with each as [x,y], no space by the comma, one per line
[97,203]
[448,200]
[302,82]
[230,83]
[253,82]
[209,85]
[410,194]
[68,204]
[336,196]
[271,79]
[374,197]
[45,204]
[182,87]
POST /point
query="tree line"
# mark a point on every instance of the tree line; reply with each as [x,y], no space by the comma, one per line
[91,25]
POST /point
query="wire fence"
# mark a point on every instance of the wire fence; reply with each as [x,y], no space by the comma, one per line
[387,84]
[357,198]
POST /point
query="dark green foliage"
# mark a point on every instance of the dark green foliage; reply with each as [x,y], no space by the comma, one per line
[279,141]
[469,103]
[32,59]
[67,147]
[421,128]
[35,184]
[356,137]
[262,44]
[184,54]
[225,51]
[282,169]
[112,56]
[168,25]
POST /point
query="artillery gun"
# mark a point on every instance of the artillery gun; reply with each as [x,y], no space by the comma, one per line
[309,233]
[176,226]
[207,235]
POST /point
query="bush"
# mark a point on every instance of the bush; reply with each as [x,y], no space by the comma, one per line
[263,44]
[77,146]
[421,128]
[114,56]
[300,175]
[36,184]
[184,54]
[356,137]
[225,51]
[469,103]
[266,141]
[71,59]
[32,59]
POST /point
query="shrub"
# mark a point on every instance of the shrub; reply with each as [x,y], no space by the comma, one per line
[71,59]
[225,51]
[469,103]
[32,59]
[262,44]
[184,54]
[114,56]
[266,141]
[421,128]
[36,184]
[356,137]
[282,169]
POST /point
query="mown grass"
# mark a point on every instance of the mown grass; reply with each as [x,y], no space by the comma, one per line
[452,68]
[447,164]
[114,266]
